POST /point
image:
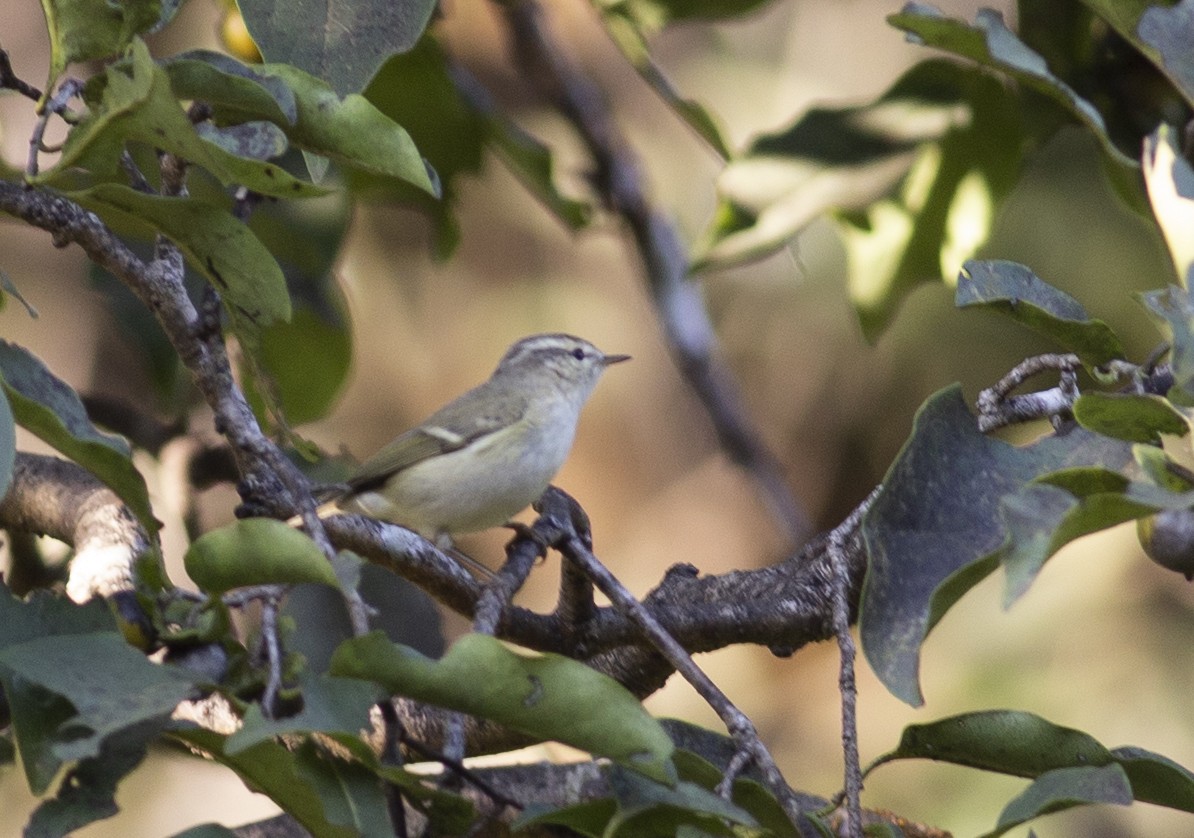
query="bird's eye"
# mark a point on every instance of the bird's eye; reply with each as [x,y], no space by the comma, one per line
[578,354]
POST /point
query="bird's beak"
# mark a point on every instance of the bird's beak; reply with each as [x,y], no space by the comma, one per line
[614,359]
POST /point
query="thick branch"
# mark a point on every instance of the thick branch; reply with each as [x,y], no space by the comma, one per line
[57,498]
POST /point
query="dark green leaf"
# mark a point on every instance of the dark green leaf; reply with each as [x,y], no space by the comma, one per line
[1170,181]
[1014,290]
[218,245]
[1040,519]
[1170,31]
[1026,745]
[547,696]
[307,360]
[1137,418]
[84,29]
[235,91]
[8,446]
[350,794]
[206,830]
[45,405]
[340,41]
[110,685]
[255,551]
[1157,779]
[932,532]
[1064,788]
[1174,306]
[88,792]
[649,807]
[1006,741]
[336,707]
[451,117]
[274,770]
[990,43]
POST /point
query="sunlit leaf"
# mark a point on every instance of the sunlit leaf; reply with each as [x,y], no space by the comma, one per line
[1175,307]
[1170,181]
[84,29]
[255,551]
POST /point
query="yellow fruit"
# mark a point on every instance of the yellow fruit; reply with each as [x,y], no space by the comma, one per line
[236,37]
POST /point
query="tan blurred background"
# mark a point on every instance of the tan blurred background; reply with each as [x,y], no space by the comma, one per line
[1091,645]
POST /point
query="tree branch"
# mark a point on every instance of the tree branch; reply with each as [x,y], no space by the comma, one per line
[53,497]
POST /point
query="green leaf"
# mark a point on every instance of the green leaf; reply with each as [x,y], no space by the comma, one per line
[343,42]
[1170,181]
[235,91]
[1170,31]
[1065,788]
[46,406]
[8,446]
[924,554]
[110,685]
[308,360]
[88,792]
[1157,779]
[533,164]
[219,246]
[1026,745]
[302,783]
[132,101]
[336,707]
[81,30]
[255,551]
[914,178]
[629,25]
[206,830]
[351,131]
[10,288]
[1174,306]
[1014,290]
[1042,518]
[1136,418]
[451,118]
[543,695]
[991,44]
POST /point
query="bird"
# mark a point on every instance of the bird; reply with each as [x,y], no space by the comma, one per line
[487,455]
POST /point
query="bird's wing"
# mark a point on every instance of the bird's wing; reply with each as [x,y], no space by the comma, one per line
[433,438]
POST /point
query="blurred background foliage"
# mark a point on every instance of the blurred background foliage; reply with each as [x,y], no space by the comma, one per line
[1091,646]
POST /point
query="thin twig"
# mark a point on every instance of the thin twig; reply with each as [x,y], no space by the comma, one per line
[55,105]
[273,653]
[997,408]
[460,769]
[852,827]
[678,302]
[9,79]
[575,548]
